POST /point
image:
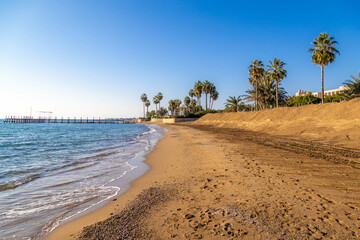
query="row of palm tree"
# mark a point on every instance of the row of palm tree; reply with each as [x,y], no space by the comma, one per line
[146,102]
[263,81]
[174,107]
[157,99]
[264,93]
[266,90]
[206,88]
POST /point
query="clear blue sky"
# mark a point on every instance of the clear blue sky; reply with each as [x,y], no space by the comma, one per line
[95,58]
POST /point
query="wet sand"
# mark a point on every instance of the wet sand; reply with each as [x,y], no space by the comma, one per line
[209,182]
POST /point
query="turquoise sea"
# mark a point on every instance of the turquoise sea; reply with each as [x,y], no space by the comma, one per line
[50,173]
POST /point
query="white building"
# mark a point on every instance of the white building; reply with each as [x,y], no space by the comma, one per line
[326,93]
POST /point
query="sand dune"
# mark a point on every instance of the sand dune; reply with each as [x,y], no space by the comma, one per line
[335,122]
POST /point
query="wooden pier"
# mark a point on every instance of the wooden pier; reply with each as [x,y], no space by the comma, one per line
[27,119]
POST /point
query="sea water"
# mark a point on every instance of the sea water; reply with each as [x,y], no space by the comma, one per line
[50,173]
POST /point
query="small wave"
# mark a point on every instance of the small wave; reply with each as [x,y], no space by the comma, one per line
[17,183]
[151,130]
[15,173]
[82,167]
[78,168]
[23,144]
[111,153]
[105,148]
[67,165]
[61,184]
[103,154]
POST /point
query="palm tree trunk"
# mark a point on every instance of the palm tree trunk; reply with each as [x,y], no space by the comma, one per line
[277,98]
[256,96]
[199,104]
[205,101]
[144,110]
[322,84]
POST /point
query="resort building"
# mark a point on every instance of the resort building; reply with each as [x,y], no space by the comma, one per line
[326,93]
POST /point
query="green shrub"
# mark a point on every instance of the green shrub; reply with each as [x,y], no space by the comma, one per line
[334,98]
[304,100]
[199,114]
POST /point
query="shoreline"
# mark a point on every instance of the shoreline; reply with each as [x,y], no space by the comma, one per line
[129,189]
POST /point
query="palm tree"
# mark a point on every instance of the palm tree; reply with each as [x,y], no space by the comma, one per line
[233,103]
[177,103]
[352,87]
[323,53]
[211,92]
[191,93]
[192,104]
[171,107]
[156,101]
[214,97]
[256,72]
[147,104]
[143,99]
[163,112]
[277,73]
[206,87]
[198,88]
[187,102]
[159,96]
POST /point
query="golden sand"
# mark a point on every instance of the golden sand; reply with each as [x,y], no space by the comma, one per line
[289,173]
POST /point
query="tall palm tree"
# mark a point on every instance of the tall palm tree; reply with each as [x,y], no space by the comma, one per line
[206,87]
[352,87]
[143,99]
[211,92]
[192,104]
[214,97]
[156,101]
[277,73]
[177,103]
[191,93]
[323,53]
[147,104]
[198,88]
[256,72]
[187,102]
[233,103]
[159,96]
[171,107]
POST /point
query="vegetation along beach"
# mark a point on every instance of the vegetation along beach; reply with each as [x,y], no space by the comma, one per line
[179,120]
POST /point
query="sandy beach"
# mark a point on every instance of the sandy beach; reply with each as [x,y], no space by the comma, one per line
[179,119]
[214,182]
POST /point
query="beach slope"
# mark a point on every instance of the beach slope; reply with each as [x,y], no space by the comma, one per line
[332,122]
